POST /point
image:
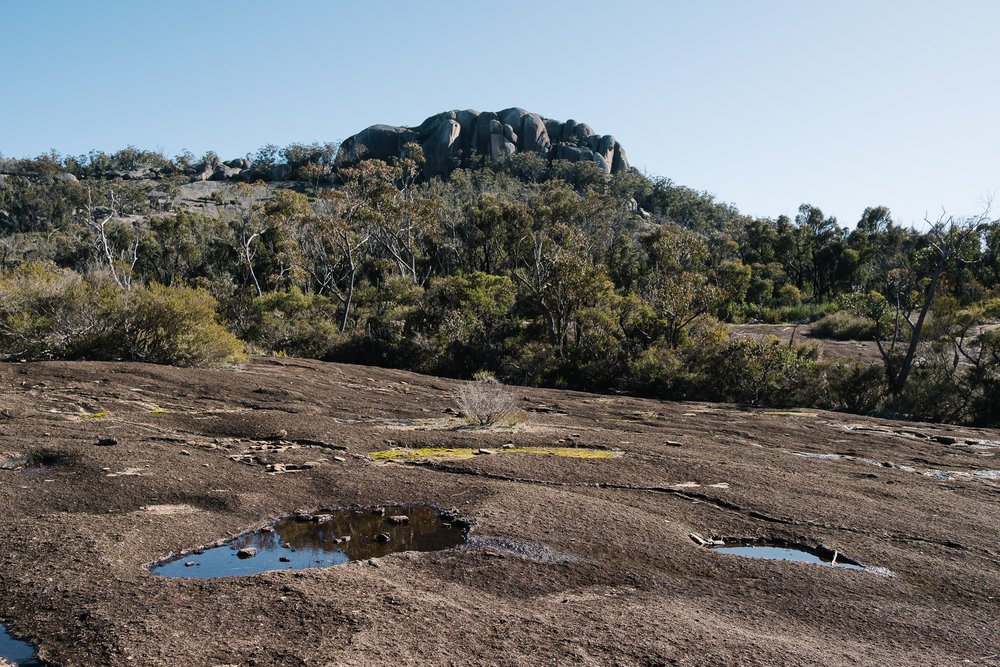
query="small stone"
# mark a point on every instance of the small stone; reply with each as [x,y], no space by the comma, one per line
[185,452]
[190,563]
[374,562]
[483,452]
[107,442]
[267,529]
[399,519]
[339,459]
[382,537]
[944,439]
[379,511]
[322,518]
[246,552]
[671,443]
[509,445]
[286,545]
[285,559]
[345,538]
[698,539]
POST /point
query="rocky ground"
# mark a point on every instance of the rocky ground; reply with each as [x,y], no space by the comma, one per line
[571,560]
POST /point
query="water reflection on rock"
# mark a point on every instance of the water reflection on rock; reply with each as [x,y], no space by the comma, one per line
[322,539]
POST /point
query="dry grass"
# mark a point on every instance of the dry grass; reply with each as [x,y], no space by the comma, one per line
[463,453]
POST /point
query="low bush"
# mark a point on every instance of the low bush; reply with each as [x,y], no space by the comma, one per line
[177,326]
[49,313]
[485,400]
[855,387]
[843,325]
[296,324]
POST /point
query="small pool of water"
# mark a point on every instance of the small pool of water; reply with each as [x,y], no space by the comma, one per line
[793,552]
[19,652]
[323,539]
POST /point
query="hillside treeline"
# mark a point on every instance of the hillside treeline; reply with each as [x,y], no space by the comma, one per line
[540,273]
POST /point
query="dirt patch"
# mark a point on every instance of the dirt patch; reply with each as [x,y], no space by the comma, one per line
[570,560]
[169,510]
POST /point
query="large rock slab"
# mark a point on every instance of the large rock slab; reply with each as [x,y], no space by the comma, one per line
[379,142]
[452,138]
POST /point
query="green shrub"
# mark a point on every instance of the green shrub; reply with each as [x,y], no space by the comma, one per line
[855,387]
[789,296]
[177,326]
[660,371]
[297,324]
[754,313]
[934,392]
[49,313]
[763,371]
[844,325]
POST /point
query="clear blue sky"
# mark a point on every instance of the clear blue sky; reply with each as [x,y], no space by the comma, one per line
[765,103]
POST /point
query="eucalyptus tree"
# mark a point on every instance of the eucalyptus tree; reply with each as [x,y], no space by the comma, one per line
[911,286]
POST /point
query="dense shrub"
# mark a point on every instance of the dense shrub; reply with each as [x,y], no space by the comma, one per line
[48,313]
[665,372]
[843,325]
[177,326]
[855,387]
[297,324]
[460,323]
[763,371]
[759,314]
[935,392]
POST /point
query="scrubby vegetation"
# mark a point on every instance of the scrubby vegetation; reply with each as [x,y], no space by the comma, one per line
[48,313]
[540,273]
[485,401]
[844,325]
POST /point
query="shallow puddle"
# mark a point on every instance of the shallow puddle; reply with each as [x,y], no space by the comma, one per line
[787,551]
[321,540]
[17,651]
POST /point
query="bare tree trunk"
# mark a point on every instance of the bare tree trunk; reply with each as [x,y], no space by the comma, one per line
[907,364]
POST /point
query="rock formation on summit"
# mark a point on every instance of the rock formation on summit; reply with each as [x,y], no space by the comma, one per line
[449,138]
